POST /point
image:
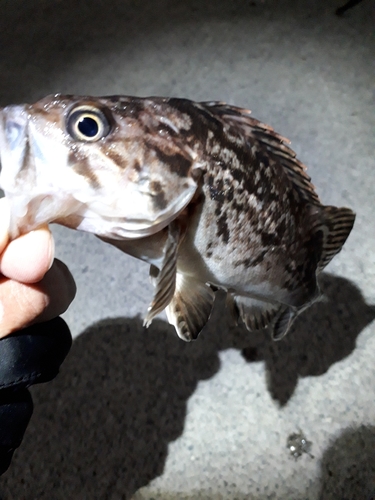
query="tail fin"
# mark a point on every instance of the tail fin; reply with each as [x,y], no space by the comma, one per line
[338,223]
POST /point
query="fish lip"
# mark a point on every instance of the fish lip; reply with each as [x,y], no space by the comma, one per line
[23,219]
[121,228]
[20,222]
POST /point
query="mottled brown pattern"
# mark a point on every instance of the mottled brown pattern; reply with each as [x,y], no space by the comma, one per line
[176,162]
[82,166]
[117,158]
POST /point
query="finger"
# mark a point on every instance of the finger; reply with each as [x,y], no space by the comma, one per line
[24,304]
[28,257]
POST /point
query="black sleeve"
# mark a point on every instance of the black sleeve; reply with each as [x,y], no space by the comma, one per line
[30,356]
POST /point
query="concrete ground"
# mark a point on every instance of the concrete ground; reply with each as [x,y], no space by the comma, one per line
[140,414]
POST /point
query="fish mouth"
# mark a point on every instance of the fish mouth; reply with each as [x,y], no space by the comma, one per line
[31,206]
[84,218]
[28,214]
[13,158]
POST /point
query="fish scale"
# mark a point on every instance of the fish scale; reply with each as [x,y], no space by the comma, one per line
[210,197]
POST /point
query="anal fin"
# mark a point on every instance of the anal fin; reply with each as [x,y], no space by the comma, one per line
[256,314]
[283,322]
[190,307]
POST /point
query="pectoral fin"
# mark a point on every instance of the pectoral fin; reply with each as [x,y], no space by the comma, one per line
[190,306]
[256,314]
[164,279]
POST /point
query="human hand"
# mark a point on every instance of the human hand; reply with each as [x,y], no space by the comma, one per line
[34,289]
[33,286]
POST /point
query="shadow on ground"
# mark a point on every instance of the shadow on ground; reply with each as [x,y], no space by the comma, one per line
[348,466]
[102,428]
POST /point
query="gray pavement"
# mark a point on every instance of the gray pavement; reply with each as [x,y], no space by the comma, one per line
[140,414]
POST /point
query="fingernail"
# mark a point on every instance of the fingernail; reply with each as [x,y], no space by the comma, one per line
[4,223]
[45,233]
[50,250]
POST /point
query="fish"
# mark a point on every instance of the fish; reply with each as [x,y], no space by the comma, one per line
[210,197]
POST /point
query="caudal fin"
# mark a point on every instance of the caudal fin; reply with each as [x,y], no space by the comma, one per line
[337,226]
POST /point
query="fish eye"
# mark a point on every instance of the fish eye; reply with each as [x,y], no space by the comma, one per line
[87,124]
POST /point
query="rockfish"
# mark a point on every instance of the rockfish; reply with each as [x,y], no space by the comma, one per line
[210,197]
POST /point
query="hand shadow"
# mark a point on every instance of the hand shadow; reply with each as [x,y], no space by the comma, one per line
[348,467]
[322,335]
[102,428]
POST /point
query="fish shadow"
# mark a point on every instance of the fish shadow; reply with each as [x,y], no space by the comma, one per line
[321,336]
[102,428]
[348,466]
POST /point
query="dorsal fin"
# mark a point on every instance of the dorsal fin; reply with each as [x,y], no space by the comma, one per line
[265,138]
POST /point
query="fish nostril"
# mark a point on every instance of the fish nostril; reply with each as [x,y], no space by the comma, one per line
[13,132]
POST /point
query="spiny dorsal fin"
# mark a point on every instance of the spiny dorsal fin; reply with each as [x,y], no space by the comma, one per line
[265,138]
[338,223]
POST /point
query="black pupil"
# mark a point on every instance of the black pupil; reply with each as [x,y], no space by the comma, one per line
[88,126]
